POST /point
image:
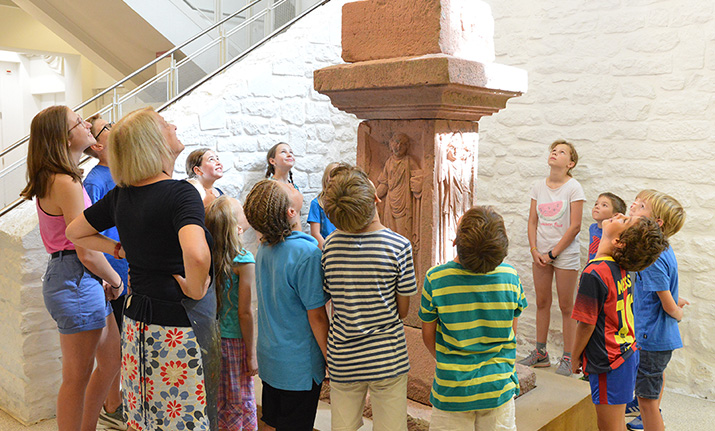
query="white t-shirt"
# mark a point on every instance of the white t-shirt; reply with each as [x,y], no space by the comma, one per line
[553,206]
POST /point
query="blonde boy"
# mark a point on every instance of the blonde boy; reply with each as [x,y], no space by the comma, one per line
[369,275]
[658,310]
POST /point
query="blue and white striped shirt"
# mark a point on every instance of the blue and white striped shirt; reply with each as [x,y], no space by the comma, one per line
[363,273]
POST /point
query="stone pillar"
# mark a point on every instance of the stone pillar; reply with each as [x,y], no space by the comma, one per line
[421,72]
[421,75]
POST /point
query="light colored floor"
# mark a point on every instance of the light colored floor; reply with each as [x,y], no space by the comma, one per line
[681,413]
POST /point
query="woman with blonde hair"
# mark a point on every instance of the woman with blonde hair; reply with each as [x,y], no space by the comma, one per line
[169,343]
[72,287]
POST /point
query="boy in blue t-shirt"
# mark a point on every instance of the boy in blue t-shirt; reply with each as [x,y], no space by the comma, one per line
[658,309]
[607,205]
[292,322]
[469,310]
[98,183]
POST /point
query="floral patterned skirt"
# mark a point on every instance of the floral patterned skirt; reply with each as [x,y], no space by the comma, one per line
[162,378]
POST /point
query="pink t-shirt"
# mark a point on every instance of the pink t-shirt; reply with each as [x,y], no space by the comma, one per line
[52,227]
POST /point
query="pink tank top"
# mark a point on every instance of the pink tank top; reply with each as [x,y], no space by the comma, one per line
[52,228]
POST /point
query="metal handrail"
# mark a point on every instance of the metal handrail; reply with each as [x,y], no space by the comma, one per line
[162,74]
[140,70]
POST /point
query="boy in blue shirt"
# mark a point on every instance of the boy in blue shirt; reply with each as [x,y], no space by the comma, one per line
[658,309]
[607,205]
[292,322]
[98,183]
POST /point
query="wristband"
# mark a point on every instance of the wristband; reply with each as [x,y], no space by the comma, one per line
[532,249]
[120,287]
[551,256]
[116,250]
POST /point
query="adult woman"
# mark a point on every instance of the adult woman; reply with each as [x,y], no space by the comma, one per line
[169,341]
[204,166]
[72,286]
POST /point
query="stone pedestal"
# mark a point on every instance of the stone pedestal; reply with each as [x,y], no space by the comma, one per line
[421,73]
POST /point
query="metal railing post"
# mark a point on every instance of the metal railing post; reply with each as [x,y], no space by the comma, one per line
[269,17]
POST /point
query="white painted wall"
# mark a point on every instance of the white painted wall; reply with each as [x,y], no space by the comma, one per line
[631,84]
[268,98]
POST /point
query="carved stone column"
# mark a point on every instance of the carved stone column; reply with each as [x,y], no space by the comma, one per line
[422,68]
[420,72]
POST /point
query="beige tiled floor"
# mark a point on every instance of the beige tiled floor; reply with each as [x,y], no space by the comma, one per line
[681,413]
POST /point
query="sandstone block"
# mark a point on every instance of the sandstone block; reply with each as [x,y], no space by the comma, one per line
[379,29]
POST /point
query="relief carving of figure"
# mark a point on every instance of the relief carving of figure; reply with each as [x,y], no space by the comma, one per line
[400,188]
[455,168]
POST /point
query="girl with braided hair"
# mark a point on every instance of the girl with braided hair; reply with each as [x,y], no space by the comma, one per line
[292,322]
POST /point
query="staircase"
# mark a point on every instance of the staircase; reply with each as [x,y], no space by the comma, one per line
[171,75]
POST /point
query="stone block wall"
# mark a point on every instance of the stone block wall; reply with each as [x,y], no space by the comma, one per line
[268,98]
[630,83]
[30,367]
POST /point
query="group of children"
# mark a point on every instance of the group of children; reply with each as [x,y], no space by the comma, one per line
[622,328]
[469,306]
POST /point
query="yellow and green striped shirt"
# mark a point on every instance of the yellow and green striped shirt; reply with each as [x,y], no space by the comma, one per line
[475,343]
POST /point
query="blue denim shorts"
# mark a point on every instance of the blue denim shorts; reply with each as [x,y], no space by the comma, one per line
[74,296]
[649,380]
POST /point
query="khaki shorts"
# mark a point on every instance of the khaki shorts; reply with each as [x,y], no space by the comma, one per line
[502,418]
[388,398]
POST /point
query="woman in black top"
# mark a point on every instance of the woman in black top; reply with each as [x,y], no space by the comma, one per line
[169,337]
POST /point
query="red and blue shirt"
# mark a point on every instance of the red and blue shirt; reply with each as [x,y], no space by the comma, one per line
[605,299]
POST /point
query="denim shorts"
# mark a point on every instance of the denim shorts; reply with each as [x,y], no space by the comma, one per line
[649,380]
[74,296]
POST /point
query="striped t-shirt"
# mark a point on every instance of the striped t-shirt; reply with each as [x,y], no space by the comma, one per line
[475,342]
[363,272]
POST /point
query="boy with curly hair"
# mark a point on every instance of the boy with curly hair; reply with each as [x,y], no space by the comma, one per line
[469,310]
[292,322]
[605,337]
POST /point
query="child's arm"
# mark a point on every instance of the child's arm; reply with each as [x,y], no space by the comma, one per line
[403,305]
[246,278]
[429,331]
[669,306]
[319,324]
[573,230]
[583,334]
[539,259]
[315,233]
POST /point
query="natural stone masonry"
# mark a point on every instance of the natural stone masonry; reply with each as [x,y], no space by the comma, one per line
[631,84]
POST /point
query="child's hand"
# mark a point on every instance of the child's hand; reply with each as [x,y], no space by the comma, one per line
[576,365]
[252,365]
[682,302]
[539,259]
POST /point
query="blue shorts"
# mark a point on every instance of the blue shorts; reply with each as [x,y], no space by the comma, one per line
[616,386]
[74,296]
[649,380]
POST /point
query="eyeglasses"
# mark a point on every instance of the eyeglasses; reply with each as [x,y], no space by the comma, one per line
[107,127]
[80,122]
